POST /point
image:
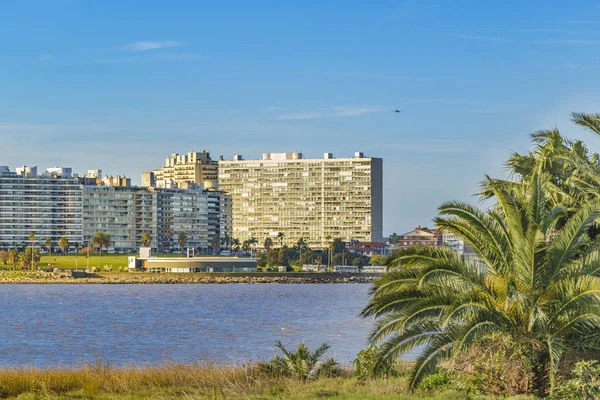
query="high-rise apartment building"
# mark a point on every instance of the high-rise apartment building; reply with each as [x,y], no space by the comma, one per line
[53,206]
[49,206]
[125,213]
[314,199]
[181,170]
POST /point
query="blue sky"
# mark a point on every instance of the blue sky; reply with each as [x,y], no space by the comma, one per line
[119,85]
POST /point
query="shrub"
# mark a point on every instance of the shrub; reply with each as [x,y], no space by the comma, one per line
[497,366]
[438,381]
[366,367]
[300,364]
[583,383]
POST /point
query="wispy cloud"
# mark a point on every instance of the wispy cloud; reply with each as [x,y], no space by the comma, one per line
[331,113]
[540,30]
[567,41]
[152,45]
[483,38]
[584,22]
[45,57]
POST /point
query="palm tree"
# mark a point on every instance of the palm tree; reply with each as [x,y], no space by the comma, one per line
[226,242]
[280,236]
[301,245]
[252,242]
[102,240]
[537,283]
[63,243]
[32,238]
[246,246]
[268,243]
[235,244]
[181,239]
[215,244]
[13,257]
[146,239]
[301,364]
[48,244]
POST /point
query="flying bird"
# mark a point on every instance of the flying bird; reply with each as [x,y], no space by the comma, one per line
[398,111]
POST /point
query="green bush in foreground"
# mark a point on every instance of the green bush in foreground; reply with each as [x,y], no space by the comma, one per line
[301,364]
[584,382]
[366,365]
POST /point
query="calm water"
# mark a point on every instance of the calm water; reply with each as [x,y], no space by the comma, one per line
[49,325]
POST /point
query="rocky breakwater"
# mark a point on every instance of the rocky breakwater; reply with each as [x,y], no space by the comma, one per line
[192,278]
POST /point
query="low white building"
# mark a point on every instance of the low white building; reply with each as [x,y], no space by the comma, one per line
[374,269]
[314,268]
[345,268]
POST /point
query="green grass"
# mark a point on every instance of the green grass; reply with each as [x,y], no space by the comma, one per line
[72,261]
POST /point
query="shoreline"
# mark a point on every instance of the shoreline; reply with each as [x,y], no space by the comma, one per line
[193,278]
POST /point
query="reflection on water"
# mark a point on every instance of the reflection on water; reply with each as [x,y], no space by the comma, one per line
[49,325]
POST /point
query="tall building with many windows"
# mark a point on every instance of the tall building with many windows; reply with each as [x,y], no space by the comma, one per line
[57,204]
[125,213]
[181,170]
[50,206]
[314,199]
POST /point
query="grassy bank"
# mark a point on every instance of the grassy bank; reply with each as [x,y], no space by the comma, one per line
[73,262]
[100,381]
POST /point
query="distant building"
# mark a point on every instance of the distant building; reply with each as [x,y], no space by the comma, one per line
[369,249]
[59,172]
[374,269]
[313,199]
[424,236]
[94,177]
[419,235]
[314,268]
[51,207]
[58,204]
[123,213]
[126,213]
[195,167]
[26,171]
[148,179]
[345,269]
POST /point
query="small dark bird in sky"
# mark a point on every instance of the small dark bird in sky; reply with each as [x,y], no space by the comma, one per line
[398,111]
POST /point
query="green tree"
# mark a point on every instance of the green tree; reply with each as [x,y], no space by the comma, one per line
[282,257]
[32,240]
[268,243]
[181,240]
[48,244]
[63,243]
[377,259]
[4,256]
[226,242]
[301,364]
[13,255]
[246,246]
[29,257]
[536,282]
[215,244]
[235,244]
[280,236]
[393,238]
[101,240]
[146,239]
[301,246]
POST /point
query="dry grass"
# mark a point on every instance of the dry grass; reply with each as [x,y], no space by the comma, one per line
[102,381]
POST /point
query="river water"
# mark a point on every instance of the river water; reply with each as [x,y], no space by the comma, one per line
[69,325]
